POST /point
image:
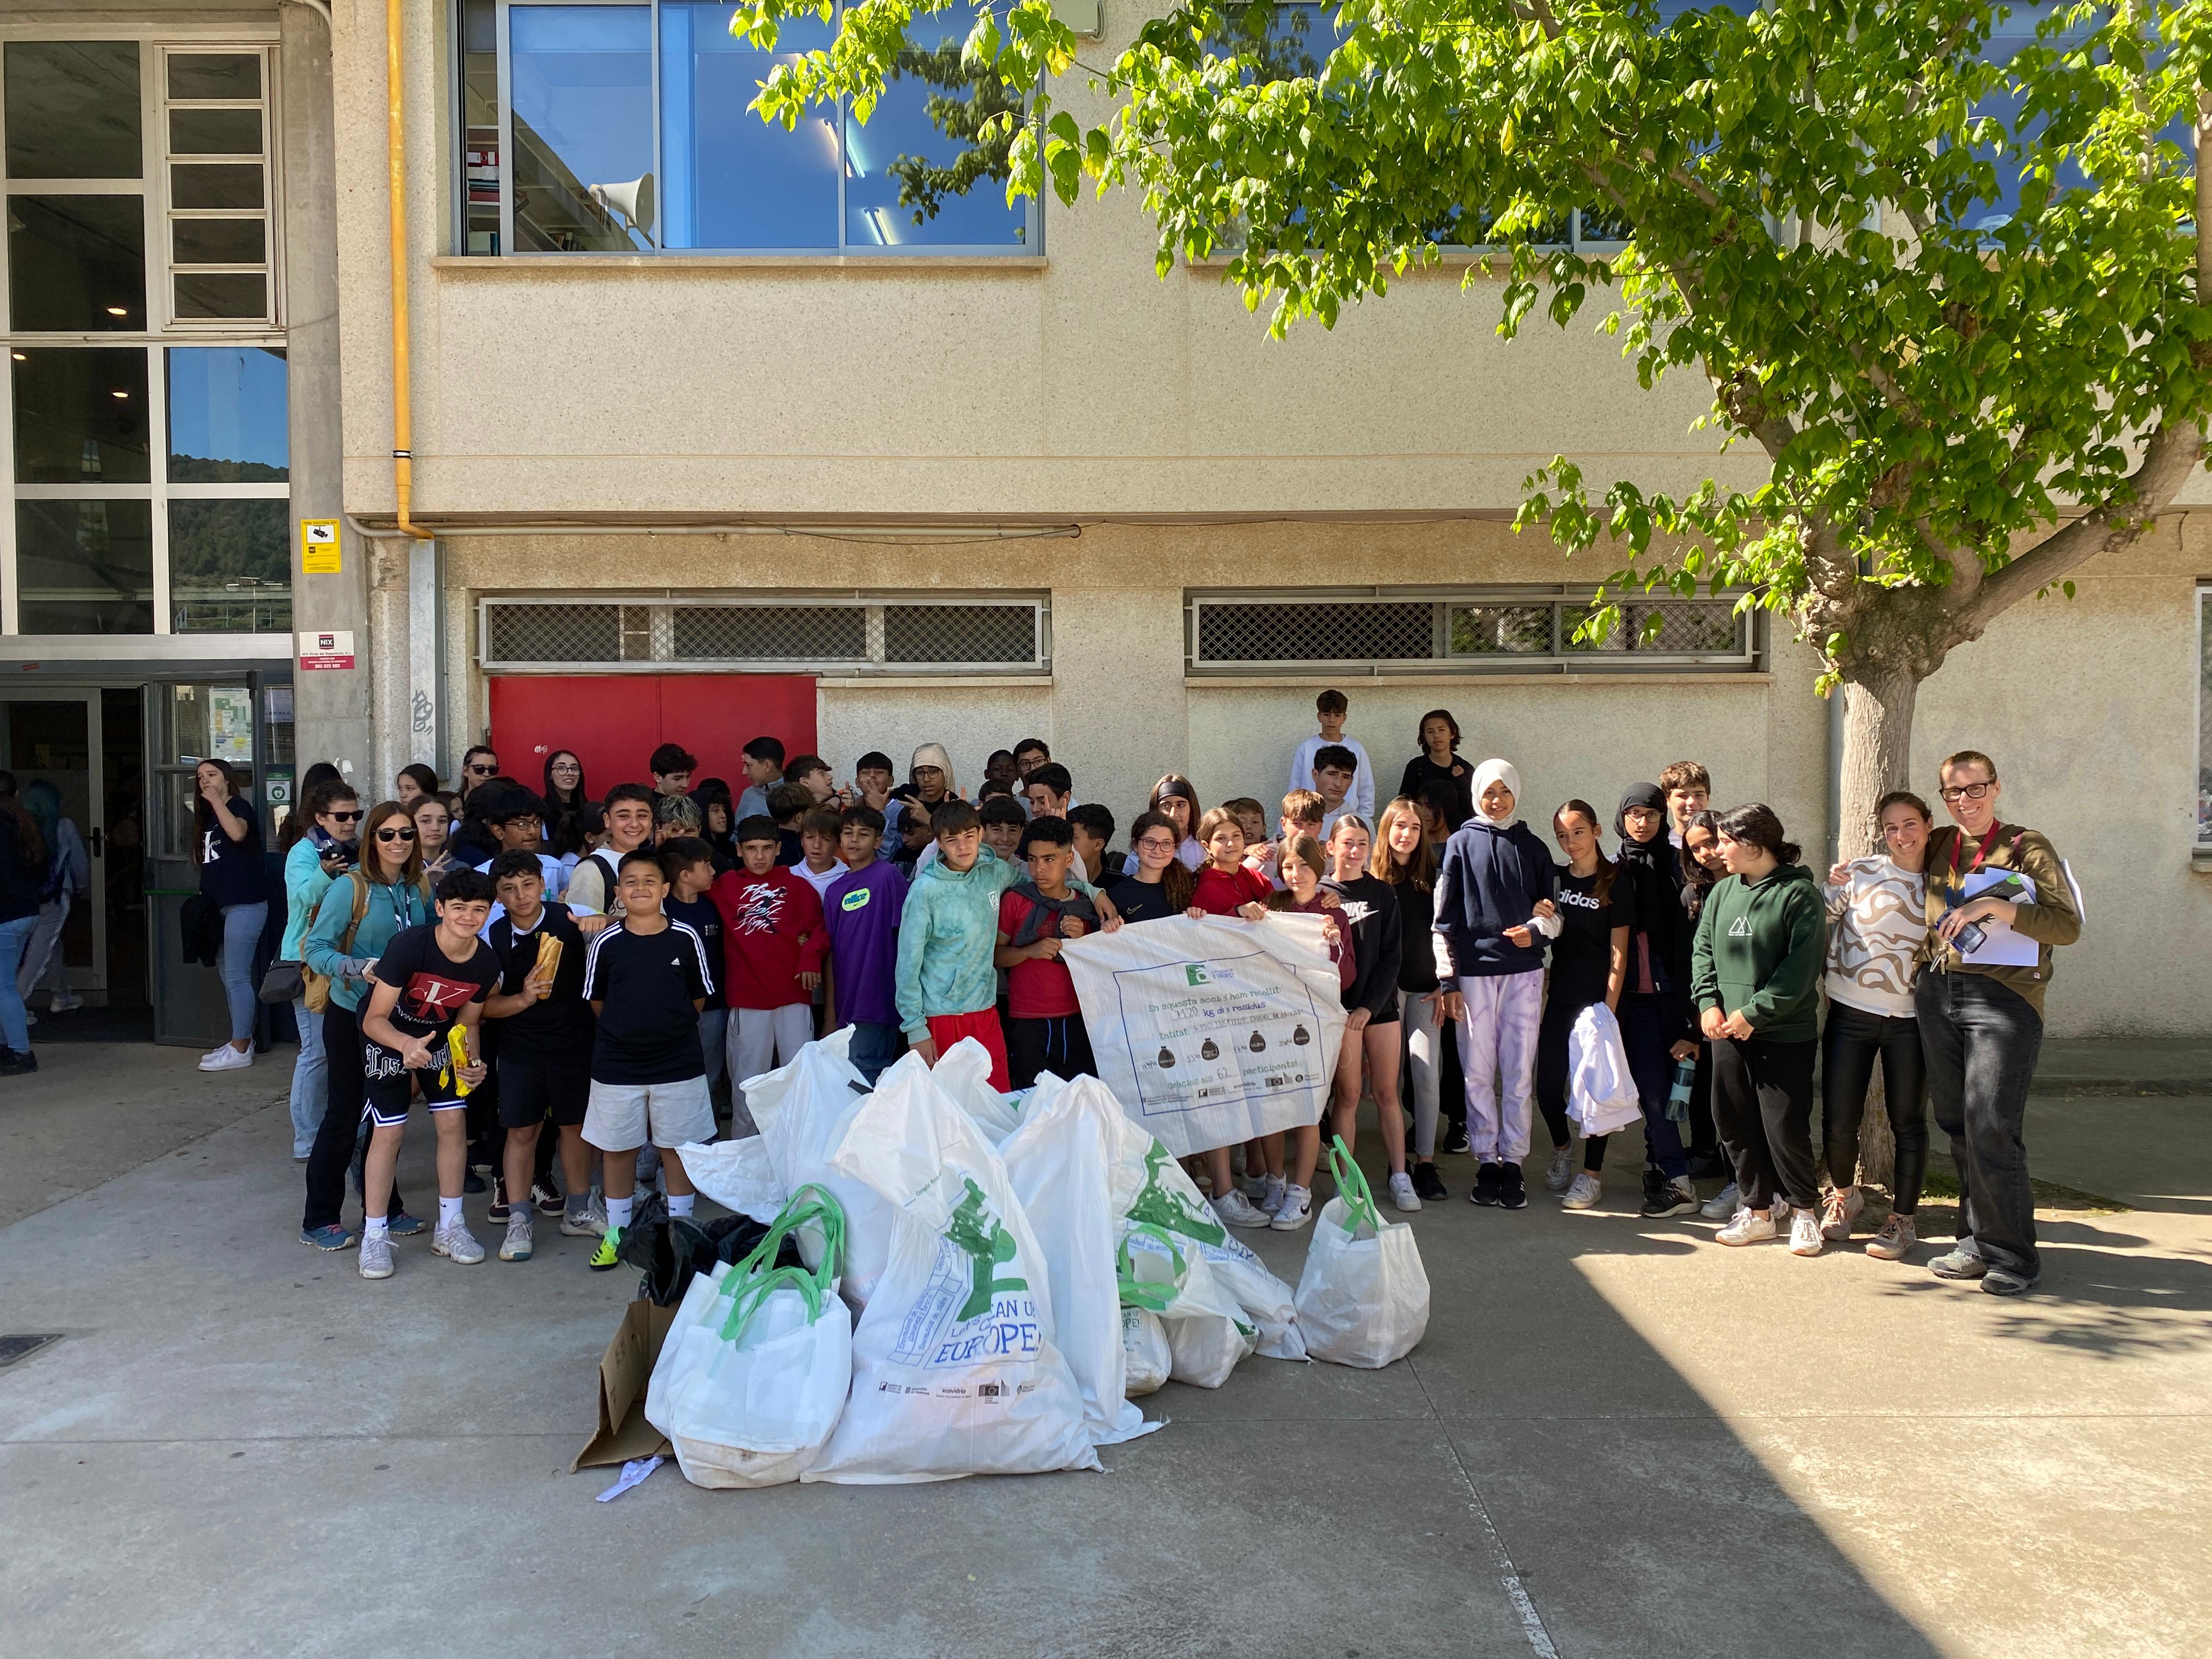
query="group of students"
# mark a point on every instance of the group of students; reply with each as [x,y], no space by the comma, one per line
[615,967]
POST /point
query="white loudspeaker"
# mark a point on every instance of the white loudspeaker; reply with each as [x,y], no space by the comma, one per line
[634,201]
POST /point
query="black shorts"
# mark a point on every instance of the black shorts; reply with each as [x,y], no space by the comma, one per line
[531,1094]
[388,1100]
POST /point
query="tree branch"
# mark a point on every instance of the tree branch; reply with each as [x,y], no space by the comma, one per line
[2169,458]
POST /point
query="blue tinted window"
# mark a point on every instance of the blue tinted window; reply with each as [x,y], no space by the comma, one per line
[227,415]
[914,175]
[580,87]
[733,182]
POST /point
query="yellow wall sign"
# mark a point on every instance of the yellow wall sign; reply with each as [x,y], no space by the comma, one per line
[319,547]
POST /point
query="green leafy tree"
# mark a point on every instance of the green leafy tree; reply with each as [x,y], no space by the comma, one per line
[1944,264]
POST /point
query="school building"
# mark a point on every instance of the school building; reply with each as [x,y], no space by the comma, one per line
[712,430]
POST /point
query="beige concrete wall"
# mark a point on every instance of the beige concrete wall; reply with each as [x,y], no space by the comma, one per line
[2087,707]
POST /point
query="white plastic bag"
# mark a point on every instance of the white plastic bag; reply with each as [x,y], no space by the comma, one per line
[1208,1334]
[1145,1348]
[1364,1297]
[736,1175]
[1601,1089]
[955,1367]
[1057,1162]
[754,1373]
[802,1110]
[963,1072]
[1149,1185]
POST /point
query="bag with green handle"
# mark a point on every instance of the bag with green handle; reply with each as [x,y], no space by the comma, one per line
[1364,1297]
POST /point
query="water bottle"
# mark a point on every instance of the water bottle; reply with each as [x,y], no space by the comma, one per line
[1678,1098]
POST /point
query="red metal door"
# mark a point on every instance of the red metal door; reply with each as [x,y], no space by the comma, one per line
[614,721]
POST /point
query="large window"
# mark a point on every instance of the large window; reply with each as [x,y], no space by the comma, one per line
[145,454]
[1485,631]
[591,128]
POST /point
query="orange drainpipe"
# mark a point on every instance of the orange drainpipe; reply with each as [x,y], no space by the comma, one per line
[403,424]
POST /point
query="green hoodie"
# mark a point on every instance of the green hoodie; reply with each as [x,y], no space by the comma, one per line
[1759,951]
[947,933]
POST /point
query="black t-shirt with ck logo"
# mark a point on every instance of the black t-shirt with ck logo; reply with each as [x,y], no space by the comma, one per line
[1581,956]
[433,988]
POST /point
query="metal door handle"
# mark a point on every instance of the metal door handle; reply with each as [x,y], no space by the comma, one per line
[98,841]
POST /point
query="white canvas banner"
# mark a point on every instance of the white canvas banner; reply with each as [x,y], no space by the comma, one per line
[1210,1032]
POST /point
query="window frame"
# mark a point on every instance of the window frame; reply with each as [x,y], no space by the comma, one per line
[1031,246]
[162,330]
[664,603]
[1564,601]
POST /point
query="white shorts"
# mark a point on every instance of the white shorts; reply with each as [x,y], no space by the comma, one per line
[620,1116]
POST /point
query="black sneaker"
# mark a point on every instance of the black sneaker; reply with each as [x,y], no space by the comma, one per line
[17,1062]
[1668,1197]
[500,1208]
[1455,1138]
[548,1202]
[1427,1183]
[1654,1185]
[1511,1194]
[1488,1179]
[473,1183]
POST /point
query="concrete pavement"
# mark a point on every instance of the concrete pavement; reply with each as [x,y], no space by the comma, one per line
[1618,1439]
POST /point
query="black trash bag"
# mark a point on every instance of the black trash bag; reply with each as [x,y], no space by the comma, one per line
[666,1250]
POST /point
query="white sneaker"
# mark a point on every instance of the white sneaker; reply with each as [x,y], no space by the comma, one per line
[1723,1204]
[227,1059]
[70,1005]
[1804,1233]
[1295,1211]
[1272,1200]
[456,1241]
[1562,1172]
[590,1222]
[1838,1210]
[1402,1192]
[375,1255]
[1239,1211]
[516,1246]
[1747,1229]
[1584,1193]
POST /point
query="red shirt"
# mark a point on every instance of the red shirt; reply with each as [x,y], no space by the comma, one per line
[1040,988]
[771,933]
[1220,894]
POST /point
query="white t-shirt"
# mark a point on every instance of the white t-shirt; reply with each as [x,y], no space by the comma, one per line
[820,883]
[1360,797]
[1877,926]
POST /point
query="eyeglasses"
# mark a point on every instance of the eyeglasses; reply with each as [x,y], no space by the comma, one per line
[345,818]
[1966,792]
[483,771]
[395,834]
[1156,844]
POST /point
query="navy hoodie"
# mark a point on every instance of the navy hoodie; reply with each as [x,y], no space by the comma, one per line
[1491,879]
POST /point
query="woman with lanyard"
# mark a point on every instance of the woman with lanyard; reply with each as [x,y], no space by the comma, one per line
[357,918]
[325,846]
[1175,796]
[227,846]
[1438,763]
[1877,924]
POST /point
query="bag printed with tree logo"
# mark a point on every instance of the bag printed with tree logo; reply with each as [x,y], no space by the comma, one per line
[955,1370]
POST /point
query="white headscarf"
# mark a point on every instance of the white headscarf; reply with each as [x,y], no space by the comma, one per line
[1499,771]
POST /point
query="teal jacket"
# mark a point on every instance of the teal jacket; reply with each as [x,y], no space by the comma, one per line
[946,934]
[390,909]
[1759,953]
[306,881]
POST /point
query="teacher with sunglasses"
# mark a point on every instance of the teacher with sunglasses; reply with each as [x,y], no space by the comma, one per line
[321,842]
[1997,902]
[357,918]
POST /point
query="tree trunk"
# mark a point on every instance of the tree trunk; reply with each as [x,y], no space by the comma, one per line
[1878,699]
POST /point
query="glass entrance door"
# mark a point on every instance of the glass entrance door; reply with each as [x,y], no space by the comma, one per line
[192,721]
[52,741]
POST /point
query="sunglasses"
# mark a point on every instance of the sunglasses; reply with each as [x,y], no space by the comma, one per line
[395,834]
[345,818]
[483,771]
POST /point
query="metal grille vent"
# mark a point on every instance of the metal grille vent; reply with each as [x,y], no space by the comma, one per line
[960,633]
[1353,632]
[802,633]
[1491,630]
[1684,628]
[554,633]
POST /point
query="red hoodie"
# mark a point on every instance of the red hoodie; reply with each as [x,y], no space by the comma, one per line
[771,933]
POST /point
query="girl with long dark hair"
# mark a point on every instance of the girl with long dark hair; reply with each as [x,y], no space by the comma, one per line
[1654,996]
[565,793]
[1403,858]
[1438,763]
[1176,796]
[226,846]
[1589,960]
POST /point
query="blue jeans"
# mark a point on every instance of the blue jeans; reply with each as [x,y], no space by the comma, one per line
[311,1080]
[241,933]
[874,1047]
[15,1030]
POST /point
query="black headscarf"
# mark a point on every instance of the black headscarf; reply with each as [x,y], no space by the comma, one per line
[1649,864]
